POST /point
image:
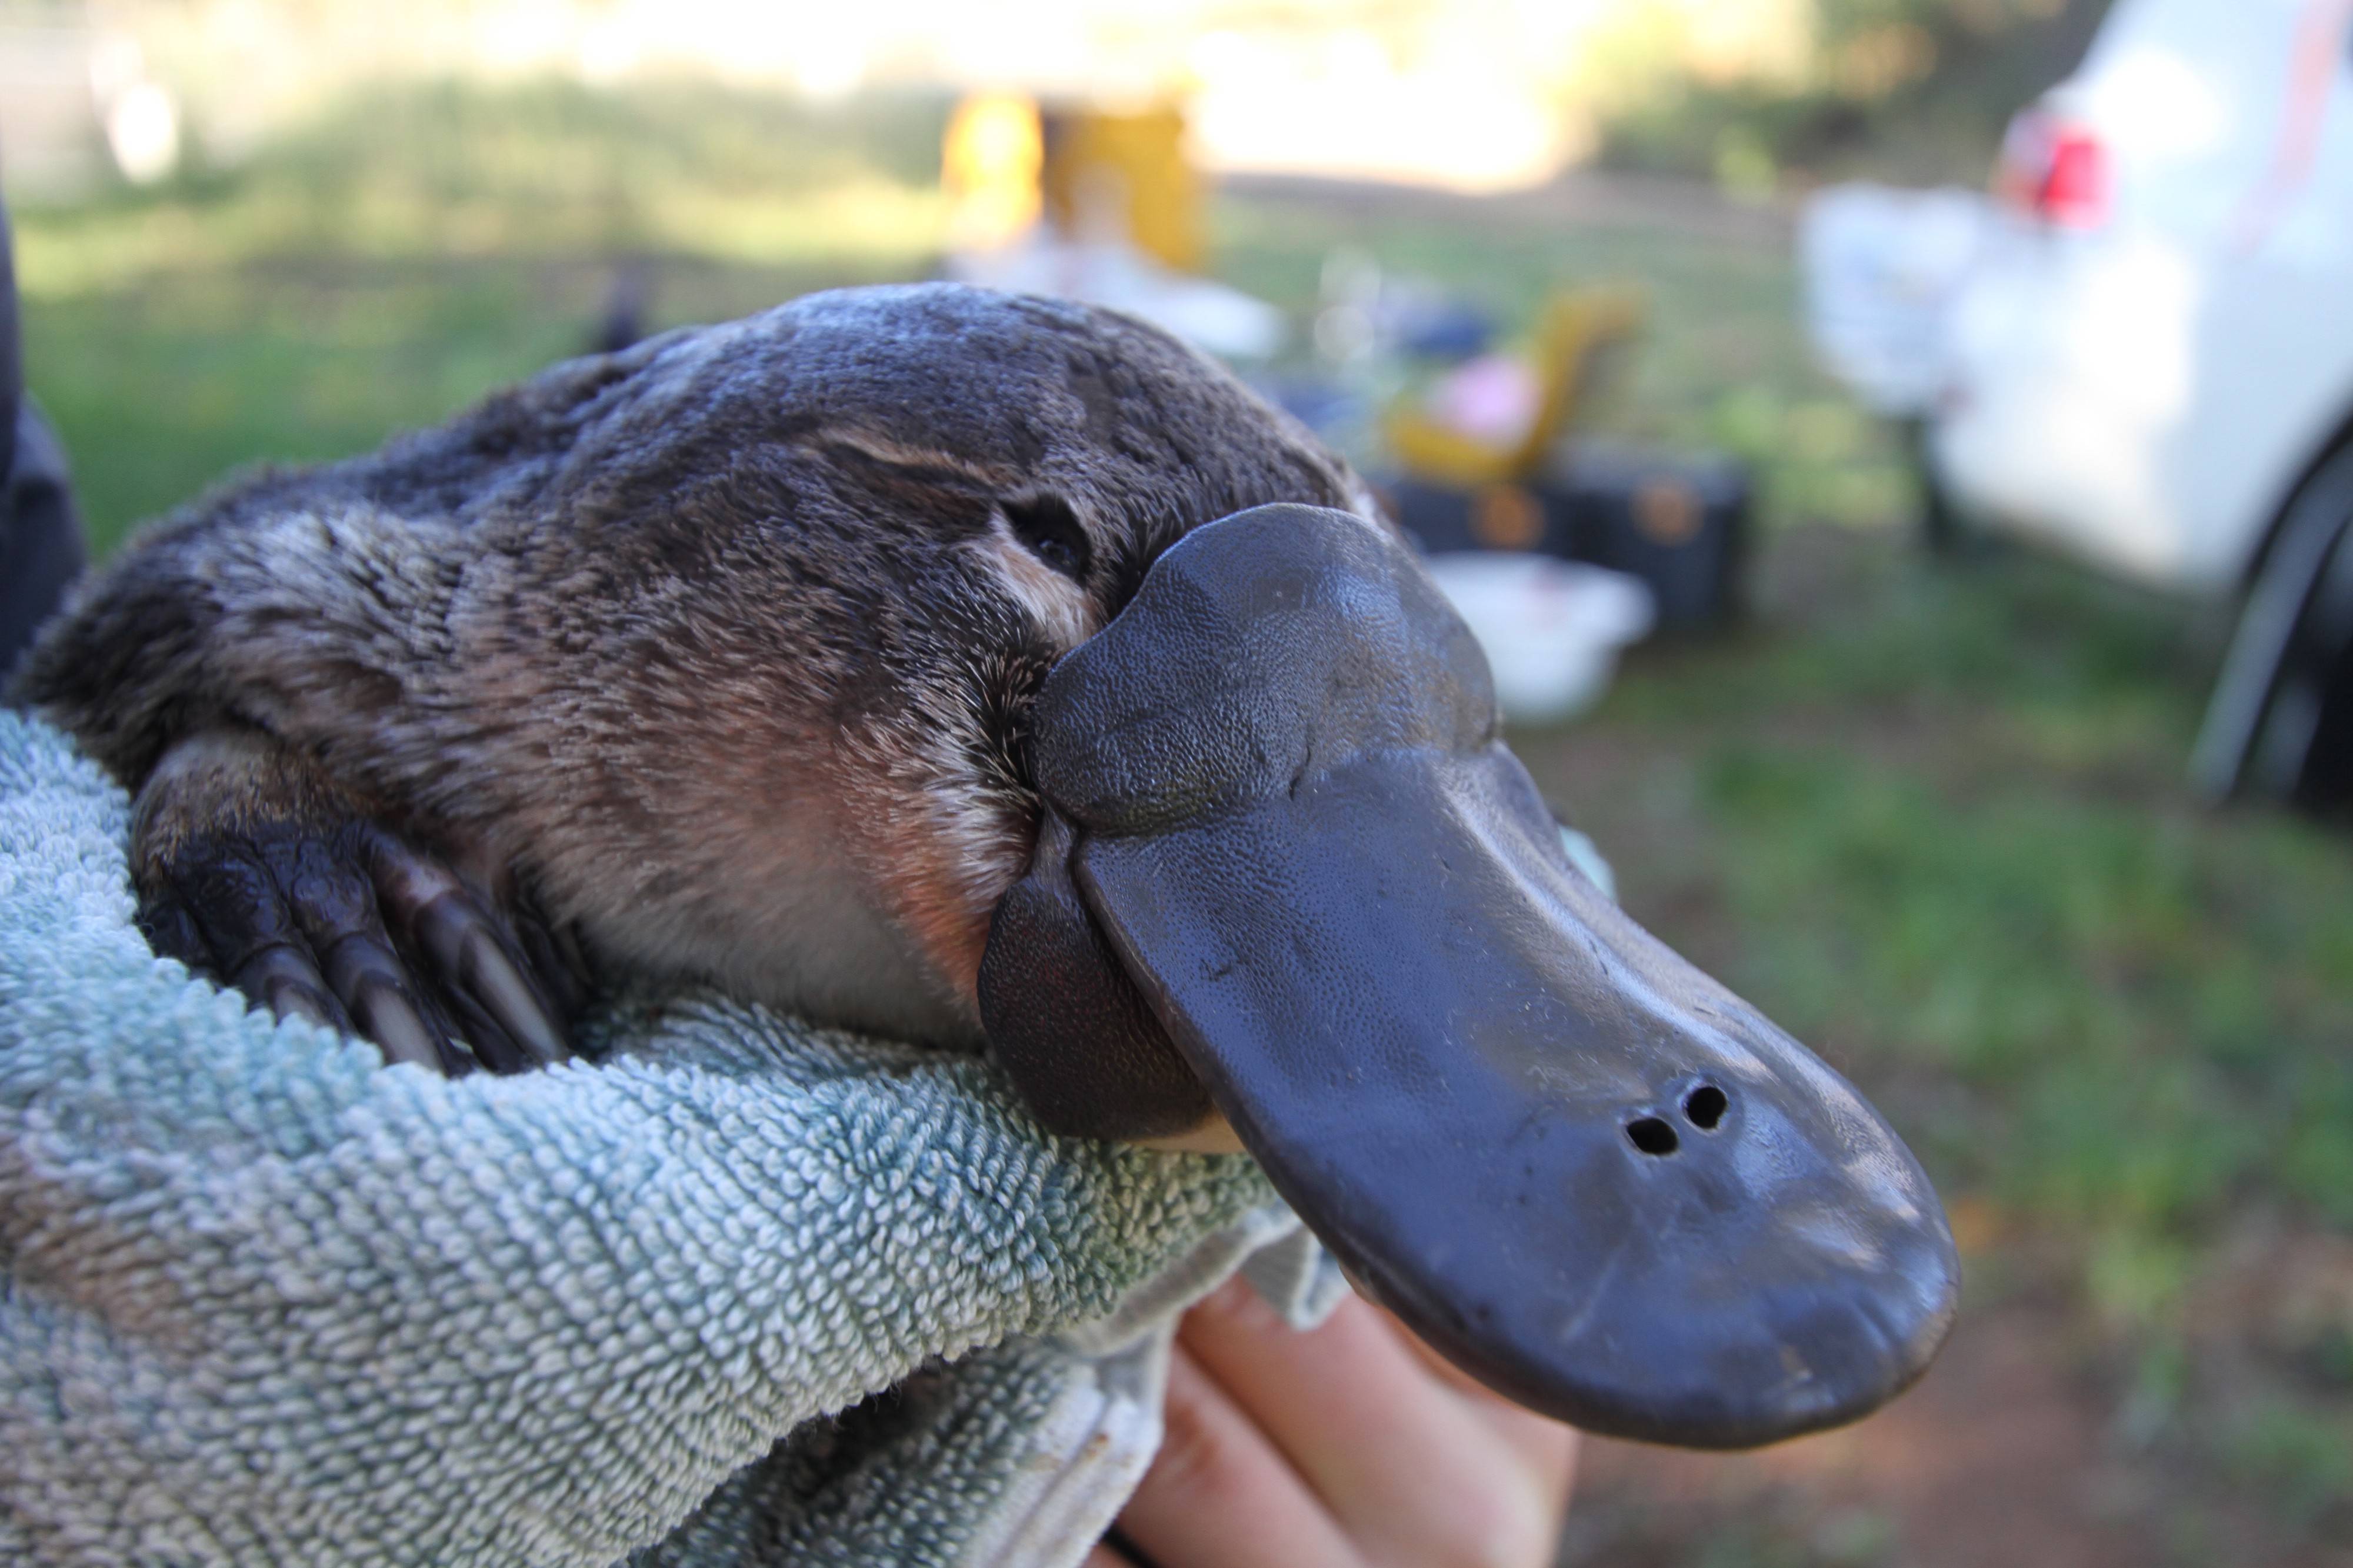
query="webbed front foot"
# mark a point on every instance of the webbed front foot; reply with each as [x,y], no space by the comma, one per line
[254,869]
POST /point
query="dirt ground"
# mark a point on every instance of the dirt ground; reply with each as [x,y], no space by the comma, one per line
[2008,1455]
[2000,1458]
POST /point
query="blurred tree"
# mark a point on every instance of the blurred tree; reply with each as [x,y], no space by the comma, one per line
[1915,89]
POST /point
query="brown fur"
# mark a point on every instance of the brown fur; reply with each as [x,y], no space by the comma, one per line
[721,645]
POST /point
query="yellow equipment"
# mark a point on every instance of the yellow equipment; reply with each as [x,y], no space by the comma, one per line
[1089,174]
[1583,334]
[1124,174]
[990,161]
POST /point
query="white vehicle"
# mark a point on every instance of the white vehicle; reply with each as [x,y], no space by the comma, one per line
[2146,355]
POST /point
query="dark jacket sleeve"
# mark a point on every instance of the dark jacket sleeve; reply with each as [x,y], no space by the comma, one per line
[41,532]
[12,353]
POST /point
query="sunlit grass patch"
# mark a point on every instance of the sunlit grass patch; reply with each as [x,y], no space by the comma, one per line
[550,169]
[410,250]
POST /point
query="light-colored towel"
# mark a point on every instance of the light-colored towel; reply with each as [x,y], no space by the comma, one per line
[743,1292]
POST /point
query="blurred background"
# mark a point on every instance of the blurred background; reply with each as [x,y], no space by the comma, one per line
[1954,391]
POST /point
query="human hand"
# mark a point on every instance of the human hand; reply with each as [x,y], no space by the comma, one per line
[1347,1446]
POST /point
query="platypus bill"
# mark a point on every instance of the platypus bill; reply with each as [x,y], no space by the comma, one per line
[975,666]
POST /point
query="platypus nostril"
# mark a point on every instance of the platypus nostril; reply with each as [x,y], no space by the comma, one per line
[1651,1136]
[1706,1106]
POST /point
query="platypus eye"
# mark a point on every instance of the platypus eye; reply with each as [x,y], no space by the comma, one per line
[1050,530]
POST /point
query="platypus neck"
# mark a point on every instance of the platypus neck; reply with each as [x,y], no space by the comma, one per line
[709,803]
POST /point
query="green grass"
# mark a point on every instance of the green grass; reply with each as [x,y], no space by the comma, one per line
[163,386]
[1962,852]
[1933,819]
[417,247]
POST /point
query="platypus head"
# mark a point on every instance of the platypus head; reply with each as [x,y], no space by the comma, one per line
[1107,721]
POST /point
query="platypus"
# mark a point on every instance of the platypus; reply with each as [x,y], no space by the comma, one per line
[999,673]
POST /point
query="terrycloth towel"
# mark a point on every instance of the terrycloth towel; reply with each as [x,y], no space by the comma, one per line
[743,1291]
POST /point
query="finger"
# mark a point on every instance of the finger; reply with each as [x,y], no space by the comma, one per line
[1399,1457]
[1220,1496]
[1128,1553]
[367,977]
[1551,1445]
[1115,1551]
[481,978]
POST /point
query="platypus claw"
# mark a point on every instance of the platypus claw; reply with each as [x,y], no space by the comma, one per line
[510,1021]
[350,927]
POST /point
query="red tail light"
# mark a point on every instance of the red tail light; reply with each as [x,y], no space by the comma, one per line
[2054,170]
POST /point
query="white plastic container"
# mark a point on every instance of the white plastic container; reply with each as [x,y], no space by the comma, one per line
[1551,628]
